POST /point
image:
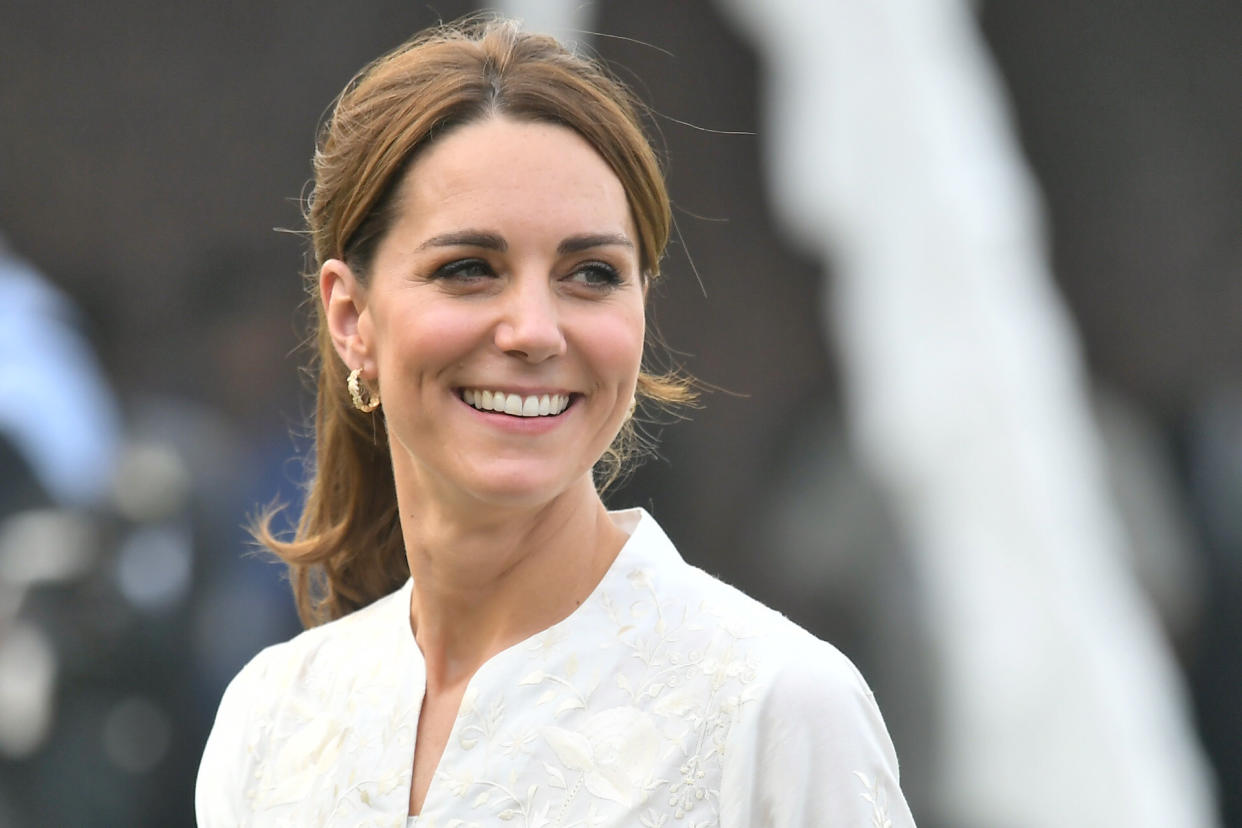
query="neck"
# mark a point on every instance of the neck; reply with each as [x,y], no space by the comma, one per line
[487,578]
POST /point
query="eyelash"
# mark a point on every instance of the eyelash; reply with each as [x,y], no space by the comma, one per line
[459,269]
[611,278]
[606,275]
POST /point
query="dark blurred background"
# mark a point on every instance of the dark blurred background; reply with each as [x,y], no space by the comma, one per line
[152,156]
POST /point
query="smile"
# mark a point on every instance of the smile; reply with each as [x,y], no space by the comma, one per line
[547,405]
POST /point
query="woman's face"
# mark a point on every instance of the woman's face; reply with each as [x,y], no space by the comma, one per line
[503,315]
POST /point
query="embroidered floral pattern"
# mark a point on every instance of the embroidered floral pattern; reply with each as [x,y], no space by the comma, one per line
[878,798]
[624,714]
[636,728]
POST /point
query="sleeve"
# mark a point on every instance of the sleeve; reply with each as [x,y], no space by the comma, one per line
[813,750]
[219,793]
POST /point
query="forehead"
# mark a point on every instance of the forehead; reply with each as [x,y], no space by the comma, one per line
[514,172]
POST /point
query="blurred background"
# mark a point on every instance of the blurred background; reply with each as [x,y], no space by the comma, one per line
[967,278]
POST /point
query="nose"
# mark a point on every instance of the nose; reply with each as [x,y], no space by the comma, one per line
[530,328]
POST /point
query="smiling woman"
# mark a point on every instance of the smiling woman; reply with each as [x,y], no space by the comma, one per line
[510,270]
[488,642]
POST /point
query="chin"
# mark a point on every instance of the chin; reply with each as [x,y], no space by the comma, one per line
[524,488]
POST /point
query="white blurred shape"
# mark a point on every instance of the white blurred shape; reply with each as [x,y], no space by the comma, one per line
[136,734]
[27,681]
[55,405]
[152,483]
[153,566]
[569,21]
[45,546]
[891,156]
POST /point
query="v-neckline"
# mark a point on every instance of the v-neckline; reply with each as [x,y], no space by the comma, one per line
[630,521]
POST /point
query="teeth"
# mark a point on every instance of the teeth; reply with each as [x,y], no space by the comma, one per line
[515,404]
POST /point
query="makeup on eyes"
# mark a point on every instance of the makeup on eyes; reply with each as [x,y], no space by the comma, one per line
[595,274]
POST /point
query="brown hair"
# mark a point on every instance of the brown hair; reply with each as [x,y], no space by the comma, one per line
[348,549]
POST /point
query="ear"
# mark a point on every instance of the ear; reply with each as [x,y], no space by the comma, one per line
[345,310]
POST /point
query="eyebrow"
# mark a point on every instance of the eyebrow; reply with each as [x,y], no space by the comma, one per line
[467,238]
[491,241]
[576,244]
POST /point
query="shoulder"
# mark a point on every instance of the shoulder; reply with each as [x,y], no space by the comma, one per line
[811,746]
[785,673]
[317,653]
[782,656]
[280,668]
[806,741]
[790,669]
[309,675]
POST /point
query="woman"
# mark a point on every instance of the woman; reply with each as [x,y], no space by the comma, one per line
[486,220]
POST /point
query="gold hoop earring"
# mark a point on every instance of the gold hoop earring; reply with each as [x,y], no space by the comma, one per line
[355,391]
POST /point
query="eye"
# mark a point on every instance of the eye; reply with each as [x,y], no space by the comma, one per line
[464,270]
[596,275]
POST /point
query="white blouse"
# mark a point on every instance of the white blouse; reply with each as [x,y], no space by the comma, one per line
[667,698]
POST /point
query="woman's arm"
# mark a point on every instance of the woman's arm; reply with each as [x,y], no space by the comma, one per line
[813,750]
[219,794]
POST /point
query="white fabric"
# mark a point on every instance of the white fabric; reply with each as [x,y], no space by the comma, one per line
[667,697]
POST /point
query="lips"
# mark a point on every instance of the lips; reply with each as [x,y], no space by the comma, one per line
[516,405]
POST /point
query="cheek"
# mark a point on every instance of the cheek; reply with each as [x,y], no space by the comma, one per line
[616,342]
[428,340]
